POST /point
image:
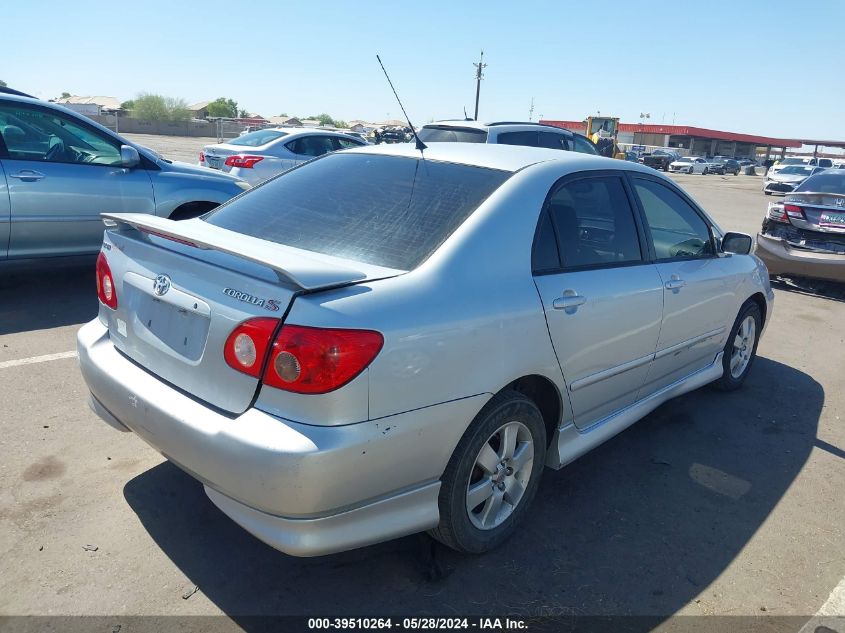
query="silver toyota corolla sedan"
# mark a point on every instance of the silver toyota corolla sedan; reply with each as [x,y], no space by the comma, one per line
[383,341]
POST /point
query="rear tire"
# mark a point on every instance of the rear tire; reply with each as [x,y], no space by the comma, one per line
[690,171]
[741,347]
[498,463]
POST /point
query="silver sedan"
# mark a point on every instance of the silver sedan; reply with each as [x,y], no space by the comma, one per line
[262,154]
[385,341]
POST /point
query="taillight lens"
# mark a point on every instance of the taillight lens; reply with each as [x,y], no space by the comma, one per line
[242,160]
[319,360]
[247,345]
[794,211]
[202,157]
[777,214]
[106,291]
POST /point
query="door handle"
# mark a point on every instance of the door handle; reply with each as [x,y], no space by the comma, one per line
[28,175]
[569,301]
[675,283]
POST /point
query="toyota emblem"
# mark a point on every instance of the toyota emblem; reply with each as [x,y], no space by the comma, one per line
[161,284]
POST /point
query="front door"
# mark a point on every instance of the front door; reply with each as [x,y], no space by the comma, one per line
[61,176]
[698,289]
[602,299]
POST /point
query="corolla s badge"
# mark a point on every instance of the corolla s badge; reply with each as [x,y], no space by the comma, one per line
[268,304]
[161,284]
[840,202]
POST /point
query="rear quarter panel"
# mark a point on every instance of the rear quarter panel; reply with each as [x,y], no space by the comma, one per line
[173,188]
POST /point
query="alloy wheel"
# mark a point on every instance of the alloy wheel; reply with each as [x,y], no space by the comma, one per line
[743,346]
[500,475]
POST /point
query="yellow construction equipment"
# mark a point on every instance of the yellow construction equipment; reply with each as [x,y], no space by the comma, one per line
[605,127]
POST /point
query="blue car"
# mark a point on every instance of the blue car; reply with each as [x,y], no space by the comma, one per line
[59,171]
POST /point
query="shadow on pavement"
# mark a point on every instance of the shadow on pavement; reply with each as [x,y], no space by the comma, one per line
[639,526]
[812,287]
[47,294]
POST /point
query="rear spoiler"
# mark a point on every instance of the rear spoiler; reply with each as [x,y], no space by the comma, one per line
[306,269]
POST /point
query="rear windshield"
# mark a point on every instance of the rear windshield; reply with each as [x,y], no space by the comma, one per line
[449,134]
[384,210]
[257,138]
[824,182]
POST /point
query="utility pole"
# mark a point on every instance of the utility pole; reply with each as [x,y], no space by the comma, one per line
[479,68]
[531,110]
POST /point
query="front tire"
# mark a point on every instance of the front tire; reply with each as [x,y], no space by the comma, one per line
[741,347]
[690,171]
[493,475]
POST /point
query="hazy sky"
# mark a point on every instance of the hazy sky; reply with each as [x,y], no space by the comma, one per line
[719,64]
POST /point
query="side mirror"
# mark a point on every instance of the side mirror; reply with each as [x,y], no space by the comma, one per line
[737,243]
[129,156]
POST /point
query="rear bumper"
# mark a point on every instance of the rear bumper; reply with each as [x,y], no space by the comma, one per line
[781,259]
[306,490]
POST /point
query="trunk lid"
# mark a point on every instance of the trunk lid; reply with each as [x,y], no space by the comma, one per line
[182,287]
[824,212]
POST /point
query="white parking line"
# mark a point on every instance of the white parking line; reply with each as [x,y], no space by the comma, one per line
[831,612]
[35,359]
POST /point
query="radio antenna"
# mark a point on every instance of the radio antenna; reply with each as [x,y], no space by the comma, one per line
[420,145]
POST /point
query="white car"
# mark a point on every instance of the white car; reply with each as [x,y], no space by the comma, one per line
[794,161]
[262,154]
[689,165]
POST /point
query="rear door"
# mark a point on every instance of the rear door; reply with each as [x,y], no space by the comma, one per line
[61,176]
[699,288]
[5,209]
[603,300]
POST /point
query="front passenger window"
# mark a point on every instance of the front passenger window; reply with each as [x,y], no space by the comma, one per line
[677,230]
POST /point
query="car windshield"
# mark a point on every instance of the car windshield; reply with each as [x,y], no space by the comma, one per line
[684,159]
[792,161]
[257,138]
[449,134]
[388,211]
[797,170]
[824,182]
[719,160]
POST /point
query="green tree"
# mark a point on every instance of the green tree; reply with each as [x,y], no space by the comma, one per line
[3,84]
[152,107]
[341,123]
[128,105]
[324,119]
[223,107]
[65,95]
[243,114]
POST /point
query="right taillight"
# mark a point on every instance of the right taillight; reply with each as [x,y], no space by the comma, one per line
[202,157]
[318,360]
[106,291]
[243,161]
[247,345]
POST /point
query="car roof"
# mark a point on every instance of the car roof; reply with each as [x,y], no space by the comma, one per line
[480,125]
[505,157]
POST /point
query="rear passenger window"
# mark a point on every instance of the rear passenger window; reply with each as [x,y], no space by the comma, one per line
[594,223]
[345,143]
[553,141]
[518,138]
[311,145]
[677,230]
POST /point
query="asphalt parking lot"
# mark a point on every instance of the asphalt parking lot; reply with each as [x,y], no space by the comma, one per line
[715,504]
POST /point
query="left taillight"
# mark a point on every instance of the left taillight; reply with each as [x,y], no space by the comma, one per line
[243,161]
[202,157]
[106,291]
[247,345]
